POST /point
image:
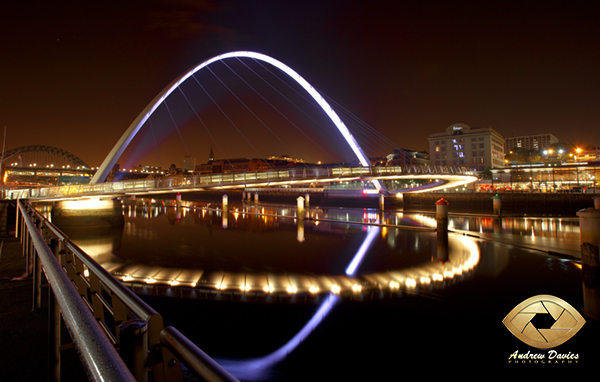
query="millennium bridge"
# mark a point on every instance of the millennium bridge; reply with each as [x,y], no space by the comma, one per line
[105,318]
[441,176]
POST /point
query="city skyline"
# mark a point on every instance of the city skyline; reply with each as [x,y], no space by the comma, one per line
[75,76]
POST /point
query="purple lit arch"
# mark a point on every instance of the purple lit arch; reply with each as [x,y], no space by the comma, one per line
[133,129]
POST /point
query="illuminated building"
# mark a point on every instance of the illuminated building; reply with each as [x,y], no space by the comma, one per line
[531,142]
[408,157]
[287,159]
[538,177]
[188,164]
[460,145]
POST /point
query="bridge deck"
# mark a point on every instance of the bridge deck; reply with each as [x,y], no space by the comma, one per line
[445,176]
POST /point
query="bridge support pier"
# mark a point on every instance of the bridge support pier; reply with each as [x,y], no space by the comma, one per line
[89,213]
[300,219]
[300,204]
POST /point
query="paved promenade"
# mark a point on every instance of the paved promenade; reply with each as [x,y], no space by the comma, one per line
[24,332]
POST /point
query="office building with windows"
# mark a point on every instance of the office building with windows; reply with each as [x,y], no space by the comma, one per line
[476,148]
[539,142]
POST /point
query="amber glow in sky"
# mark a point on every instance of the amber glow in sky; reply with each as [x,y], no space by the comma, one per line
[76,74]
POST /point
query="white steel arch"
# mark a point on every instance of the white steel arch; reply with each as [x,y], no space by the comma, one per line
[135,126]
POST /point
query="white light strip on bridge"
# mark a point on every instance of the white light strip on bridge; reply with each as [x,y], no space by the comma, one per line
[133,129]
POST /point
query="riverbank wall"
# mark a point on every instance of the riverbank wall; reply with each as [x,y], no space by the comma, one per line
[512,204]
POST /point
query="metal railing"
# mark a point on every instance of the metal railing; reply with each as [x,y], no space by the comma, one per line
[118,336]
[232,179]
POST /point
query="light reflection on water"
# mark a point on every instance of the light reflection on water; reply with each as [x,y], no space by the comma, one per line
[264,249]
[268,239]
[557,228]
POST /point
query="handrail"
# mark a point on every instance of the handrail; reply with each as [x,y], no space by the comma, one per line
[131,300]
[85,296]
[99,358]
[190,355]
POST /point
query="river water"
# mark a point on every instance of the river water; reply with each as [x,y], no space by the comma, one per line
[401,319]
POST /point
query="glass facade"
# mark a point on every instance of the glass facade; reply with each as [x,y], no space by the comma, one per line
[574,178]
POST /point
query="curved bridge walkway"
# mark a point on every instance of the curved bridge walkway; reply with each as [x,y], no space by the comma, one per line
[445,177]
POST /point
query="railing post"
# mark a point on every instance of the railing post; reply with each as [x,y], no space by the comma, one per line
[37,282]
[18,224]
[28,254]
[54,339]
[133,340]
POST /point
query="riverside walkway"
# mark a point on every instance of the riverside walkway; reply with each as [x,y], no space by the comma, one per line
[23,331]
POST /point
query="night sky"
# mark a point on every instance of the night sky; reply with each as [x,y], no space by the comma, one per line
[75,74]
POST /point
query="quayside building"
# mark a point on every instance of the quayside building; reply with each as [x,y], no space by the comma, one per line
[476,148]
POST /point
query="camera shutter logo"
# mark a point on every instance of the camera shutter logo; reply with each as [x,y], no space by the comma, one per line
[564,319]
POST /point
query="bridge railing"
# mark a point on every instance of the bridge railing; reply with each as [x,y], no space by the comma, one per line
[228,179]
[118,336]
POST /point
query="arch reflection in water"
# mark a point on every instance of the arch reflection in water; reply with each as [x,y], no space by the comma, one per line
[463,260]
[256,369]
[364,248]
[464,256]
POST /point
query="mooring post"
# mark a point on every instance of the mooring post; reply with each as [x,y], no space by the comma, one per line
[589,227]
[441,217]
[497,201]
